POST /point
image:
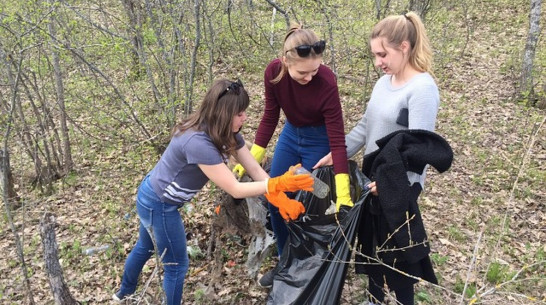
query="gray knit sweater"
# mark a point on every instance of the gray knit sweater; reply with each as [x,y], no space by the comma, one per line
[419,95]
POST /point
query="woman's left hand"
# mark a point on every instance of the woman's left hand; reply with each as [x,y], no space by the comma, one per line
[373,188]
[326,160]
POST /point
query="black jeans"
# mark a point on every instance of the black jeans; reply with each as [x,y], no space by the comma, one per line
[404,293]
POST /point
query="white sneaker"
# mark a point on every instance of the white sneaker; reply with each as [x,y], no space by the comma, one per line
[117,299]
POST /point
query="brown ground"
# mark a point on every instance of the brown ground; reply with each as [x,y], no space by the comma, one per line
[487,211]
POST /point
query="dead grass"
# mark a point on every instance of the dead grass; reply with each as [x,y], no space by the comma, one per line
[485,217]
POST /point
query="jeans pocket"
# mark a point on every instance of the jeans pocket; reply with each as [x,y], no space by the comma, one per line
[145,213]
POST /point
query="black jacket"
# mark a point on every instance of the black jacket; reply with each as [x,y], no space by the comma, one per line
[398,153]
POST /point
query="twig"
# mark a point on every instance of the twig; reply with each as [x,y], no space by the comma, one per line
[522,167]
[154,272]
[397,230]
[512,280]
[474,255]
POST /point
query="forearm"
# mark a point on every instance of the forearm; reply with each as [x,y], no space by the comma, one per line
[248,189]
[356,138]
[224,179]
[257,173]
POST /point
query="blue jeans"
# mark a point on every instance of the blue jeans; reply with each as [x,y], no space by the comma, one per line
[305,145]
[163,221]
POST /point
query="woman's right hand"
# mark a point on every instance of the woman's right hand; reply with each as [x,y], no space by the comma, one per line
[326,160]
[373,188]
[290,182]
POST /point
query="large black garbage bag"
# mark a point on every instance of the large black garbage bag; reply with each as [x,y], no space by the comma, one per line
[314,262]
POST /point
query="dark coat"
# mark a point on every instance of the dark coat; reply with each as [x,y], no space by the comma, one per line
[388,213]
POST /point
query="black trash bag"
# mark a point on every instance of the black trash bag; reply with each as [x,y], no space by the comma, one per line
[314,262]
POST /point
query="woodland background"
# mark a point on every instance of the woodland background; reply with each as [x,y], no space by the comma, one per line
[90,89]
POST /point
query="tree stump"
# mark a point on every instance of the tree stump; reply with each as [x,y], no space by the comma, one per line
[58,286]
[248,218]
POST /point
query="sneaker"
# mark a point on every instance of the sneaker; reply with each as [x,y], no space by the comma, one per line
[117,298]
[266,280]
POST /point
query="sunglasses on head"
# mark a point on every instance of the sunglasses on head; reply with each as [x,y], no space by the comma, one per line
[305,49]
[234,86]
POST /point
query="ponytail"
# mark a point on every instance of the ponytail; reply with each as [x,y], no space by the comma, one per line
[407,27]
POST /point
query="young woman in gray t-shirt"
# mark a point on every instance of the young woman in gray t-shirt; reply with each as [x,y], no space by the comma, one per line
[198,152]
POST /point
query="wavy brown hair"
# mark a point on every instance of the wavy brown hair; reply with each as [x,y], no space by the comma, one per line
[222,102]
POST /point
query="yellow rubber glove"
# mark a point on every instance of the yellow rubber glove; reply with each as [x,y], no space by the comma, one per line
[343,191]
[257,152]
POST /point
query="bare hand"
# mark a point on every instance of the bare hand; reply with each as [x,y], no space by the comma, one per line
[326,160]
[373,188]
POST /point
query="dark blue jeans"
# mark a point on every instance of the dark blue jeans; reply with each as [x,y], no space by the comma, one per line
[163,221]
[305,145]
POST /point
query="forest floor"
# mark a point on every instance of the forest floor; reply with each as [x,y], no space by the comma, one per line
[485,217]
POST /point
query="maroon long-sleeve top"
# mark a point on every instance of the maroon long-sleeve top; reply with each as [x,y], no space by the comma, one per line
[313,104]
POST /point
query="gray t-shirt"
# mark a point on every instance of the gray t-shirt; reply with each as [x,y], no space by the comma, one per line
[419,95]
[176,178]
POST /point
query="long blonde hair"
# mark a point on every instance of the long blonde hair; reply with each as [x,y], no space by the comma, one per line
[296,36]
[407,27]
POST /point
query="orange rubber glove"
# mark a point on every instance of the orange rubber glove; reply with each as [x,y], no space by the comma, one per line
[290,209]
[289,182]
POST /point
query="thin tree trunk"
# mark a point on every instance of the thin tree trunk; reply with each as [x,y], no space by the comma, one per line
[421,7]
[280,10]
[11,199]
[381,9]
[526,83]
[45,119]
[20,127]
[58,286]
[331,42]
[189,92]
[132,8]
[14,83]
[68,163]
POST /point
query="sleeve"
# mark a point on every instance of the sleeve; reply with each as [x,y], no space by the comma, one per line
[356,138]
[423,107]
[272,111]
[240,141]
[201,150]
[335,128]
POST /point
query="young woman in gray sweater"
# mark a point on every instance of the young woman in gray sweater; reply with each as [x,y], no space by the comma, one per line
[405,97]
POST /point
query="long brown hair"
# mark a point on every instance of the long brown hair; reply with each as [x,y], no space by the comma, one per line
[222,102]
[296,36]
[407,27]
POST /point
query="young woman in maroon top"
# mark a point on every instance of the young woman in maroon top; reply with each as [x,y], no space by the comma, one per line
[306,91]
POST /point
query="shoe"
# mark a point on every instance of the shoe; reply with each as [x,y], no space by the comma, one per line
[266,280]
[117,298]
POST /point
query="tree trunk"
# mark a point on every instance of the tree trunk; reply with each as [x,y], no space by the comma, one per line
[14,83]
[12,200]
[58,286]
[526,83]
[248,218]
[421,7]
[133,10]
[188,106]
[68,164]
